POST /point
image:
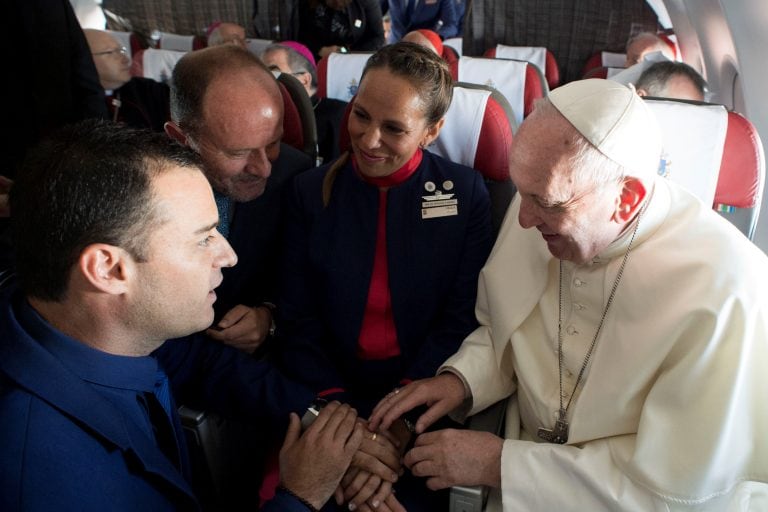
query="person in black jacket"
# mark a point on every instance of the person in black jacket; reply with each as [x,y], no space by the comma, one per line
[135,101]
[328,26]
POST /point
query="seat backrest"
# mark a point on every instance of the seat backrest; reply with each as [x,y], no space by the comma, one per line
[293,131]
[306,114]
[175,42]
[715,154]
[603,72]
[537,55]
[450,55]
[456,43]
[742,175]
[478,133]
[520,82]
[603,59]
[155,64]
[338,74]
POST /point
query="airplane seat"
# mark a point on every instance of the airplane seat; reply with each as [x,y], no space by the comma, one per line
[715,154]
[155,64]
[538,55]
[450,55]
[293,131]
[456,43]
[603,59]
[338,74]
[300,106]
[478,133]
[742,175]
[175,42]
[603,72]
[521,82]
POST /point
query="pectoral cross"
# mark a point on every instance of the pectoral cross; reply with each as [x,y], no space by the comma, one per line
[557,435]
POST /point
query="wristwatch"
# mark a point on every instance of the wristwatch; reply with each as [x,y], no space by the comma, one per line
[312,412]
[272,325]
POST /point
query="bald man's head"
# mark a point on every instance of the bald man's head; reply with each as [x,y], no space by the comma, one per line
[195,72]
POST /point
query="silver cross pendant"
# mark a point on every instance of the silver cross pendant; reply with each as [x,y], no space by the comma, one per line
[557,435]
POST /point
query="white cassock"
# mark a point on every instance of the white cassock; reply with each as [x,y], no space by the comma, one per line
[672,413]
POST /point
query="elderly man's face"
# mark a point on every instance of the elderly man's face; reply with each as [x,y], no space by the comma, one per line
[113,62]
[240,135]
[576,218]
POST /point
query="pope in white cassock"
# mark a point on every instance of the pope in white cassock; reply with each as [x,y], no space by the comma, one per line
[624,319]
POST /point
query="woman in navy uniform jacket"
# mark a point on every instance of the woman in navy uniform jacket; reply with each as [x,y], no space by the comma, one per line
[384,246]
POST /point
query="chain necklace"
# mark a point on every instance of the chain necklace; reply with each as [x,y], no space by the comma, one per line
[559,434]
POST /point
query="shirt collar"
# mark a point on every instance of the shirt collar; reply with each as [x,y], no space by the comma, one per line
[92,365]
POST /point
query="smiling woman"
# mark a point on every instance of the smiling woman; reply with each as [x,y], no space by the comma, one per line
[383,251]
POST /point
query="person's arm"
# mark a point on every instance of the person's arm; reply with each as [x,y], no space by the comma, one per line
[209,375]
[449,19]
[372,37]
[302,336]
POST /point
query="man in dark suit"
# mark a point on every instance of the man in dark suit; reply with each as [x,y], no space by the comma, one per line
[296,59]
[226,105]
[117,251]
[135,101]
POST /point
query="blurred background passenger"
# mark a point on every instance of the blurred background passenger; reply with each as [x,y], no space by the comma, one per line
[427,38]
[226,33]
[383,249]
[135,101]
[328,26]
[672,80]
[407,15]
[644,43]
[295,59]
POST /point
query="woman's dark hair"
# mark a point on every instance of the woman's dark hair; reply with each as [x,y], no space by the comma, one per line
[424,69]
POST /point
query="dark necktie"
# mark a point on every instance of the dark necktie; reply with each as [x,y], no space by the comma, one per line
[161,416]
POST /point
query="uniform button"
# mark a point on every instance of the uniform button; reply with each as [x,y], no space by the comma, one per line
[571,330]
[578,282]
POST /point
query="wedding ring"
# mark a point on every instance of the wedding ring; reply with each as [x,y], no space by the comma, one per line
[374,436]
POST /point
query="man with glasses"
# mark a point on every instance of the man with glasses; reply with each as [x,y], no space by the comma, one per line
[226,105]
[135,101]
[296,59]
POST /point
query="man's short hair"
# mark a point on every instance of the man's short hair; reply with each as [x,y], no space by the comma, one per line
[296,61]
[655,78]
[193,75]
[87,183]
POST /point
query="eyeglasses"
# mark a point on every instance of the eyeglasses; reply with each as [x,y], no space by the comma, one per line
[122,51]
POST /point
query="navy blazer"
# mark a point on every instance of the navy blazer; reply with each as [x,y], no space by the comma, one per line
[67,447]
[437,15]
[255,235]
[433,269]
[364,33]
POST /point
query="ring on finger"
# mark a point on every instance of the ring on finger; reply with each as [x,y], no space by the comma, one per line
[374,436]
